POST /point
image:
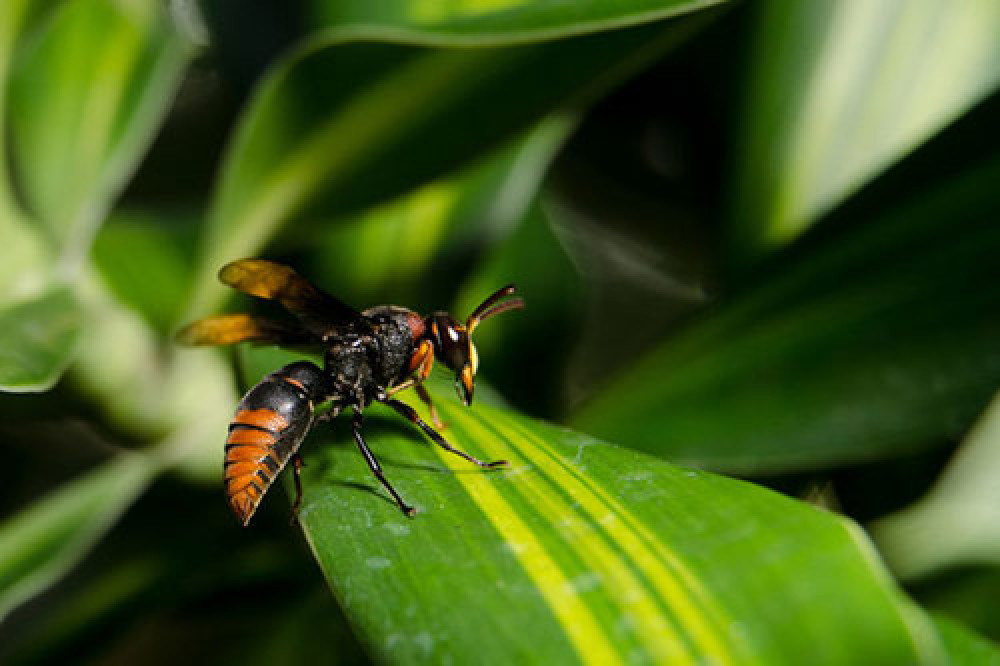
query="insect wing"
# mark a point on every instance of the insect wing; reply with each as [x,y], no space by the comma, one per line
[318,311]
[233,328]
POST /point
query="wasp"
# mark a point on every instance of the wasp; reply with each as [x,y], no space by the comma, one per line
[368,356]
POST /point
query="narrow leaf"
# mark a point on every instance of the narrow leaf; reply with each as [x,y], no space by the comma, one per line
[958,521]
[340,125]
[839,91]
[502,22]
[877,337]
[584,552]
[85,101]
[37,341]
[41,543]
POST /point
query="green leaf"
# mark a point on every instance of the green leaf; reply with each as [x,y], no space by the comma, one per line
[393,249]
[493,22]
[839,91]
[145,260]
[582,551]
[958,521]
[40,544]
[963,646]
[533,259]
[86,97]
[340,125]
[875,337]
[37,341]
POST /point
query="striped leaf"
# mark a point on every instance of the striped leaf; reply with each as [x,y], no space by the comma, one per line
[838,91]
[584,552]
[86,97]
[488,21]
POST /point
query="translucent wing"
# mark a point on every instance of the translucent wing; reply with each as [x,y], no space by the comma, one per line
[318,311]
[230,329]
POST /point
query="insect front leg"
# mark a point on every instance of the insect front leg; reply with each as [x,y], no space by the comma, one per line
[412,415]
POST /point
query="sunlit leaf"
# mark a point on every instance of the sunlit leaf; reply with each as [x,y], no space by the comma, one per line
[493,21]
[839,91]
[876,338]
[39,544]
[37,340]
[339,124]
[958,522]
[86,97]
[584,552]
[392,249]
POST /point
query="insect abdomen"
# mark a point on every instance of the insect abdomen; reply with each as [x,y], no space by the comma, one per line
[267,429]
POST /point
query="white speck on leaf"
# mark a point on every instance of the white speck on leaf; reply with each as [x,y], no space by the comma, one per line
[378,562]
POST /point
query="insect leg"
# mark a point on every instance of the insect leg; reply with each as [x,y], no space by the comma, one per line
[412,415]
[425,396]
[375,467]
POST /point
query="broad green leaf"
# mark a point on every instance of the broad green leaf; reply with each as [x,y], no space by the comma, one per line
[963,646]
[878,336]
[86,97]
[584,552]
[40,544]
[958,521]
[838,91]
[340,125]
[37,340]
[493,21]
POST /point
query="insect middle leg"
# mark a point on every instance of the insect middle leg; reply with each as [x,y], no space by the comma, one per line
[374,466]
[412,415]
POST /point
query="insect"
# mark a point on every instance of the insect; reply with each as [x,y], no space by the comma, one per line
[367,356]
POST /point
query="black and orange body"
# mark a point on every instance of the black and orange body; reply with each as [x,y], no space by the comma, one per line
[267,430]
[367,356]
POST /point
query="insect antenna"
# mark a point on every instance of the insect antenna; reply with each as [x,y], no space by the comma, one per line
[489,307]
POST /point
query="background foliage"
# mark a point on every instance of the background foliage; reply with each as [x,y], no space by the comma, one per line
[756,240]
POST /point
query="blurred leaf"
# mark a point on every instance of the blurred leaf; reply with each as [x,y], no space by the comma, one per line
[867,341]
[571,556]
[838,91]
[40,544]
[24,257]
[394,248]
[144,259]
[492,22]
[86,97]
[963,646]
[179,399]
[524,353]
[340,125]
[37,340]
[958,521]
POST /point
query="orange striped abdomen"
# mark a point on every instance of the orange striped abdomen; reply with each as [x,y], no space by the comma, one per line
[267,429]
